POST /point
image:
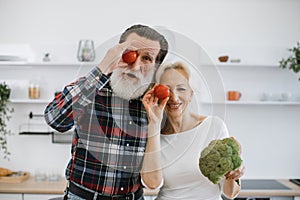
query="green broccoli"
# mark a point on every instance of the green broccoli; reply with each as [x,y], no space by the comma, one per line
[218,158]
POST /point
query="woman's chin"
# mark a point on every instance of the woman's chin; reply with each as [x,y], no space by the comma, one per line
[173,112]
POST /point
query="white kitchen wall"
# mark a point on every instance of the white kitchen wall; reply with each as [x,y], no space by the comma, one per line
[256,31]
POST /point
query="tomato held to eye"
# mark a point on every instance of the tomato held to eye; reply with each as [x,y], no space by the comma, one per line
[129,56]
[161,91]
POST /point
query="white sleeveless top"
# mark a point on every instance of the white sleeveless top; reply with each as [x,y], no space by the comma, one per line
[180,161]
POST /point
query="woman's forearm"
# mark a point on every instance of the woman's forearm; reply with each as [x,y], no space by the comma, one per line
[231,188]
[151,170]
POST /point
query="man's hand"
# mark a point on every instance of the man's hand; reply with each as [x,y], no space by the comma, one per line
[112,58]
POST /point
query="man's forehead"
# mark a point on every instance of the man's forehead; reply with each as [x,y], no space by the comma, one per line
[144,43]
[150,51]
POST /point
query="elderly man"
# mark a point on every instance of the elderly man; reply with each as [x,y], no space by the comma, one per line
[110,137]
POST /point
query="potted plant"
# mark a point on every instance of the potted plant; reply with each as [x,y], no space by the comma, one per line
[293,61]
[5,116]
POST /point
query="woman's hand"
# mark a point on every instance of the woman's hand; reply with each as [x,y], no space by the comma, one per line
[151,172]
[236,174]
[154,107]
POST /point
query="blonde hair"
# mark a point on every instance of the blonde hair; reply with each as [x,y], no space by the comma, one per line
[179,65]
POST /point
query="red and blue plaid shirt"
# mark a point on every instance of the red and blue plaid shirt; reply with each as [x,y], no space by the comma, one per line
[110,134]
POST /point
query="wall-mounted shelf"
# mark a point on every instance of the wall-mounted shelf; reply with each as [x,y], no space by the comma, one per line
[52,64]
[73,64]
[35,128]
[254,102]
[46,101]
[30,101]
[62,138]
[242,65]
[35,133]
[247,65]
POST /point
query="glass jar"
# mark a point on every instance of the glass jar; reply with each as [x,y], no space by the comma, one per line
[34,91]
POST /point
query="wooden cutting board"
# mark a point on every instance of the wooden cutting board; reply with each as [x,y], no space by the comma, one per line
[15,177]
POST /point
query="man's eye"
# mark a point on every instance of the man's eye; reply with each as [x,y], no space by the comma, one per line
[147,58]
[181,89]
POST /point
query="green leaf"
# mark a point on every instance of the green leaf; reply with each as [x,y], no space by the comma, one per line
[5,116]
[293,61]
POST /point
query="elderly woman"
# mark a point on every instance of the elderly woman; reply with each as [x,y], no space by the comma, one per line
[184,134]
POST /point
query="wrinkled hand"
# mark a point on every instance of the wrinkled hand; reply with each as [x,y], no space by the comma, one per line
[236,174]
[153,107]
[112,58]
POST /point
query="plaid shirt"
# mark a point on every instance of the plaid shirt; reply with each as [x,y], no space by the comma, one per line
[110,135]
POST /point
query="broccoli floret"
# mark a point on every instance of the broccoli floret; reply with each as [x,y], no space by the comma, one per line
[219,158]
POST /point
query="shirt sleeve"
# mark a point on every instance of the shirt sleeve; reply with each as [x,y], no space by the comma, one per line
[224,130]
[218,129]
[66,106]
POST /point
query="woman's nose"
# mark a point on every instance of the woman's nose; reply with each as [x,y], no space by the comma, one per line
[173,95]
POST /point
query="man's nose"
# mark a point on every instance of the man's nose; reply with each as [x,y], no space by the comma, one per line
[136,65]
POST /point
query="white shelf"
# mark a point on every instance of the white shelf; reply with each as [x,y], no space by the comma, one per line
[255,102]
[54,64]
[30,101]
[242,65]
[247,65]
[45,101]
[76,64]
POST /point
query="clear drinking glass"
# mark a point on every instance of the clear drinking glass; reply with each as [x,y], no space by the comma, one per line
[86,51]
[40,175]
[54,175]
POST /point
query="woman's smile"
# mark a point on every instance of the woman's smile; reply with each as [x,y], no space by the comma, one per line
[173,106]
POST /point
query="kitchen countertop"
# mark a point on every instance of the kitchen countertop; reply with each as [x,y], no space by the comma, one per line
[294,190]
[30,186]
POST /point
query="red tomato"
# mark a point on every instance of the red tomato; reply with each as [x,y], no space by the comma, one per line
[161,91]
[129,56]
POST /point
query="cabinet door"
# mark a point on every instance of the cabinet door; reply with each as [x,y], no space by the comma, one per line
[41,196]
[11,196]
[149,197]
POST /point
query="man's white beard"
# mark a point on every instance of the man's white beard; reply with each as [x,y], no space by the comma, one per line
[129,88]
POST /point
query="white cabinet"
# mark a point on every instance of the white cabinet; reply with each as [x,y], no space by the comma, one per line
[149,197]
[40,196]
[11,196]
[257,103]
[29,196]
